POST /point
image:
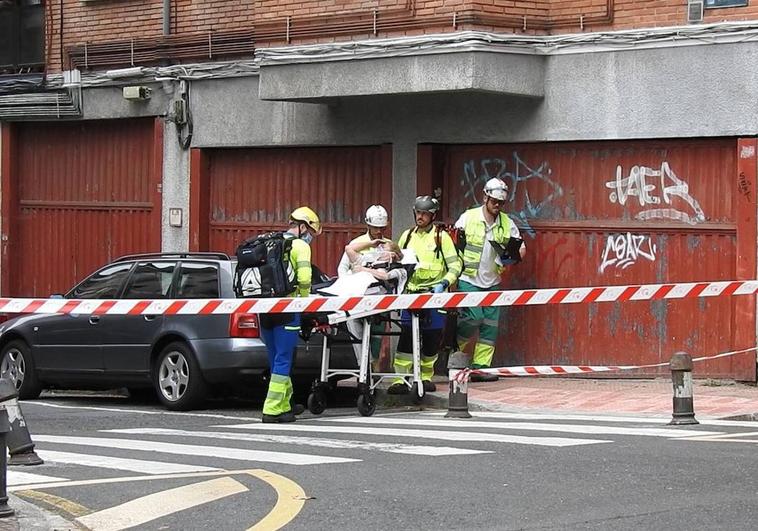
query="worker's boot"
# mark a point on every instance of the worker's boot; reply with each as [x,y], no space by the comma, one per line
[397,389]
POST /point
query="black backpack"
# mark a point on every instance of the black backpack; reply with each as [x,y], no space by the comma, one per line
[263,267]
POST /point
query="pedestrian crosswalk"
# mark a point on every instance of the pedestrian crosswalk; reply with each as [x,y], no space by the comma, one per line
[218,445]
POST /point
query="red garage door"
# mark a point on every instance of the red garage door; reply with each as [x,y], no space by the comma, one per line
[619,213]
[249,191]
[76,196]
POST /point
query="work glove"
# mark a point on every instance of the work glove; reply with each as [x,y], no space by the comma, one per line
[442,286]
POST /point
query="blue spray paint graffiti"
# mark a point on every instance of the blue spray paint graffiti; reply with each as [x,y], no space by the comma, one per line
[476,173]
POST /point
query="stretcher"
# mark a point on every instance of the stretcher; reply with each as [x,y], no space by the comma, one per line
[368,381]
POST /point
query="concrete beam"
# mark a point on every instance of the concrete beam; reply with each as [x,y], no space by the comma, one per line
[465,72]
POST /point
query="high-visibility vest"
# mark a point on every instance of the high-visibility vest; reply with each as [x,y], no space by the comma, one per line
[435,262]
[300,258]
[475,229]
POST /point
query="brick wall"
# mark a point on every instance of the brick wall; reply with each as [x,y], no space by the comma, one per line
[104,21]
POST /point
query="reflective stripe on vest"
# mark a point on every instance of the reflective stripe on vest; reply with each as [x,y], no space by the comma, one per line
[475,230]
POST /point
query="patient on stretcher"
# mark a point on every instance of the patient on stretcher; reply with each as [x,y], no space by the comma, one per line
[377,267]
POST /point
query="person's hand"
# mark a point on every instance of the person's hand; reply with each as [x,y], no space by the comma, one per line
[442,286]
[377,242]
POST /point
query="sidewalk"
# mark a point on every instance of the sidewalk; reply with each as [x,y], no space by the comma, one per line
[712,398]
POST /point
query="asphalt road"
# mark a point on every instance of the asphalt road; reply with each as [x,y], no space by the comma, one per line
[114,463]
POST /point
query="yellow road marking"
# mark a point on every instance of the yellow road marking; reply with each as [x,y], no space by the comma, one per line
[290,496]
[290,500]
[153,506]
[67,506]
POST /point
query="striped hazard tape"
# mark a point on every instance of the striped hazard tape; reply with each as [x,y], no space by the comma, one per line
[550,370]
[369,303]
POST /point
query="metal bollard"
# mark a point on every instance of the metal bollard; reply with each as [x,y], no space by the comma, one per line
[5,427]
[457,405]
[18,440]
[681,377]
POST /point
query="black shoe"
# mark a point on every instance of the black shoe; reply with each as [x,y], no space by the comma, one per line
[429,386]
[397,389]
[282,417]
[483,378]
[298,409]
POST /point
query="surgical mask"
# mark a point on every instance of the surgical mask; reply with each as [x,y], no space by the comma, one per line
[307,237]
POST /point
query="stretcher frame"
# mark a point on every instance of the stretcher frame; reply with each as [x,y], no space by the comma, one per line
[368,381]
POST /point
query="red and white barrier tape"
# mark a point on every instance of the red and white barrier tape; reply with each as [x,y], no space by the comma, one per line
[548,370]
[367,303]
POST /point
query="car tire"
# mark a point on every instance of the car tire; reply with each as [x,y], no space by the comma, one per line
[17,365]
[179,384]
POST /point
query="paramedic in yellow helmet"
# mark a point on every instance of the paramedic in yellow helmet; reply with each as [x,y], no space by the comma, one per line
[280,331]
[482,267]
[438,266]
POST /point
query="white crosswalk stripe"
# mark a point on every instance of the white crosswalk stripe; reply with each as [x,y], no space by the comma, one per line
[410,449]
[585,429]
[119,463]
[443,435]
[14,477]
[201,451]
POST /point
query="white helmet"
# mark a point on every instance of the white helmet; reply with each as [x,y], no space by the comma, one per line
[496,189]
[376,216]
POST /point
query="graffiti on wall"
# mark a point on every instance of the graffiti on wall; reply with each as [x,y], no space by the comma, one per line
[656,190]
[624,250]
[515,173]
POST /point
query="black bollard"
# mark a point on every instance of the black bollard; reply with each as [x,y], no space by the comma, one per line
[681,377]
[18,440]
[5,427]
[457,405]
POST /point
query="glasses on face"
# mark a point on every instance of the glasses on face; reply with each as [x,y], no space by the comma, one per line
[496,202]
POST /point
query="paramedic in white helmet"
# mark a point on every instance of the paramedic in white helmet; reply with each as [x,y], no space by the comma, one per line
[376,222]
[368,245]
[483,262]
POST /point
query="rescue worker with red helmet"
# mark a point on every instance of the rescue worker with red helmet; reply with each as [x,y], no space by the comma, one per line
[438,266]
[280,332]
[482,266]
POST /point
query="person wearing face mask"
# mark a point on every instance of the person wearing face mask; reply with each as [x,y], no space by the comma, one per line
[280,331]
[438,266]
[482,266]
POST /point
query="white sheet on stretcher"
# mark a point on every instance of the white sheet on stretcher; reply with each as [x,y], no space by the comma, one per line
[350,285]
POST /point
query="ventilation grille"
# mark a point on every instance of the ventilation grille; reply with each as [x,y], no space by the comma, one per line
[694,11]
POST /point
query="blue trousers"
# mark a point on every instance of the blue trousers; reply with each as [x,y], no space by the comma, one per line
[281,341]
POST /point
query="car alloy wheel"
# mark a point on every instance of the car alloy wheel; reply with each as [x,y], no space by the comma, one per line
[178,378]
[17,365]
[13,367]
[173,376]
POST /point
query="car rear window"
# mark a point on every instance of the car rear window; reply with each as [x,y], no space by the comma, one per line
[197,281]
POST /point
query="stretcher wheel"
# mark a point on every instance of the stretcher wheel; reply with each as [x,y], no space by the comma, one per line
[366,404]
[414,393]
[317,402]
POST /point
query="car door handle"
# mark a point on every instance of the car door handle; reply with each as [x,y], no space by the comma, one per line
[94,319]
[150,317]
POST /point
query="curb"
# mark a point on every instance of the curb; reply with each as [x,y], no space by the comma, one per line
[31,517]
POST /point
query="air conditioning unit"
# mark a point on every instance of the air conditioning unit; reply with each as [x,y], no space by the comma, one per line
[694,11]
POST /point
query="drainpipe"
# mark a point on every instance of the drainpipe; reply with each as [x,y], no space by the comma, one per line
[166,18]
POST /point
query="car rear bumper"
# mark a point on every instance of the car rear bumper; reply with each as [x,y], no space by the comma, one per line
[228,359]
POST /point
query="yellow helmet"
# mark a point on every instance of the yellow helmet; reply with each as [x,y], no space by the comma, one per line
[305,215]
